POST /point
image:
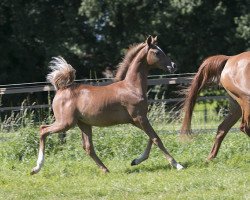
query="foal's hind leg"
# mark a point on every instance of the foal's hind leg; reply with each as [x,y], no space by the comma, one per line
[88,145]
[45,130]
[142,121]
[232,117]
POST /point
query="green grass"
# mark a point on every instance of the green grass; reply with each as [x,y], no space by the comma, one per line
[69,173]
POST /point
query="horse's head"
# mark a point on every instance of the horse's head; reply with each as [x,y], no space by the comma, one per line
[156,58]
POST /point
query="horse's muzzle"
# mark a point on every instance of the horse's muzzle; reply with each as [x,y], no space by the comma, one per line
[172,68]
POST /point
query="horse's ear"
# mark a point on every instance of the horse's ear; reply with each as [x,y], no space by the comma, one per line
[155,40]
[149,40]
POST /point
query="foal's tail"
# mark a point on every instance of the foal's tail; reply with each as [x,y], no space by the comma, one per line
[62,75]
[209,71]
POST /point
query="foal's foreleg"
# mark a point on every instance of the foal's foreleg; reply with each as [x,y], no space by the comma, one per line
[146,126]
[45,130]
[88,145]
[232,117]
[144,156]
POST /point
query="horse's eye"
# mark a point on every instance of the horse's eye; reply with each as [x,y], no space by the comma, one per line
[157,53]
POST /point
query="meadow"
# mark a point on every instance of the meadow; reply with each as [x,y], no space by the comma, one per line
[68,173]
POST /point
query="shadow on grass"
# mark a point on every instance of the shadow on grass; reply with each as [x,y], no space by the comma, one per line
[158,167]
[153,168]
[200,163]
[145,168]
[187,165]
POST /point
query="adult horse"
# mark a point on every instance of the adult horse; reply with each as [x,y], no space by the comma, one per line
[122,102]
[233,73]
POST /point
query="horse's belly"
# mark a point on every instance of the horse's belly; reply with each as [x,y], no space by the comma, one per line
[107,118]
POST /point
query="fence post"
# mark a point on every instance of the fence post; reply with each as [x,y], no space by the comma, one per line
[205,113]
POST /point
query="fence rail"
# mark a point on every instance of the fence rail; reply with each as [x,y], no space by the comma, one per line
[45,87]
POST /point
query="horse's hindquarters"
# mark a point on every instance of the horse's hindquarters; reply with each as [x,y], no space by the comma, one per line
[235,79]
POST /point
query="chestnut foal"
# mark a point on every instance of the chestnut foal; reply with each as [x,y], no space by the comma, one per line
[122,102]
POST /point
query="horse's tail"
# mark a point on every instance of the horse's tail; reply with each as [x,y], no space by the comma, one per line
[209,71]
[62,75]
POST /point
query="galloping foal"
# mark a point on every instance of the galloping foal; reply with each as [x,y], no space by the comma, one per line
[233,72]
[122,102]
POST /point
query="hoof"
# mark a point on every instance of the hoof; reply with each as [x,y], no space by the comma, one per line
[34,171]
[104,170]
[208,160]
[179,167]
[133,162]
[210,157]
[176,165]
[186,137]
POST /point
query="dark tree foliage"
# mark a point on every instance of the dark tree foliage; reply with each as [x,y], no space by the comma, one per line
[93,34]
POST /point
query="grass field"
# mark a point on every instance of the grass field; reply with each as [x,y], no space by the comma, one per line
[69,174]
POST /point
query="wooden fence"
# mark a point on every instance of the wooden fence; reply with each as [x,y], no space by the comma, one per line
[45,87]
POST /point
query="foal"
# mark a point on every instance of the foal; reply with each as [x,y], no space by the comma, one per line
[122,102]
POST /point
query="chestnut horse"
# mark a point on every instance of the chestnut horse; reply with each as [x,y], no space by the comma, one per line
[122,102]
[233,73]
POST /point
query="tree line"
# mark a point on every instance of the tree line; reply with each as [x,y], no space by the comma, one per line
[94,34]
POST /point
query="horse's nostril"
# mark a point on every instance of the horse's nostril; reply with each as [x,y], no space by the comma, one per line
[174,65]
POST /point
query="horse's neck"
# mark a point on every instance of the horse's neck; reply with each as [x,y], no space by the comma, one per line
[137,73]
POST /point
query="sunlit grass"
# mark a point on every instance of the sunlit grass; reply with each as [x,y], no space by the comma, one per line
[69,173]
